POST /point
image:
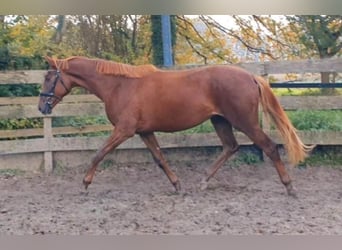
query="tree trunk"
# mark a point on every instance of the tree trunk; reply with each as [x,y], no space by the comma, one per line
[2,21]
[325,78]
[57,38]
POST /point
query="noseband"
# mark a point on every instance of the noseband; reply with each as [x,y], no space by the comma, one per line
[51,93]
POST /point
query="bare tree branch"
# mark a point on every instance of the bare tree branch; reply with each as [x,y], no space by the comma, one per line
[230,32]
[183,31]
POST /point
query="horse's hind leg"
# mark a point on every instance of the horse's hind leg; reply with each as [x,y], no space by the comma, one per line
[270,148]
[225,132]
[152,144]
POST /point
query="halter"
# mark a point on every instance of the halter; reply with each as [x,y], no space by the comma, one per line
[51,93]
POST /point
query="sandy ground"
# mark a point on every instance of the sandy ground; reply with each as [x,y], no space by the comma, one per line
[138,199]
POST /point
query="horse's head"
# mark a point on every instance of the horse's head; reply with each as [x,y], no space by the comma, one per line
[54,88]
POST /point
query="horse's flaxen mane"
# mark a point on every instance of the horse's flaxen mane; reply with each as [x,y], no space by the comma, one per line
[110,67]
[63,64]
[120,69]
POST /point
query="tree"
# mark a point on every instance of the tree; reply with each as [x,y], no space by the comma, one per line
[201,42]
[60,30]
[322,37]
[113,37]
[250,38]
[4,52]
[269,37]
[262,37]
[320,34]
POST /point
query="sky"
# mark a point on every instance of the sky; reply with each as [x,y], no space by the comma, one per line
[227,20]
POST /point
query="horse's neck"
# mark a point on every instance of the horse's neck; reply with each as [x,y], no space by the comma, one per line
[94,84]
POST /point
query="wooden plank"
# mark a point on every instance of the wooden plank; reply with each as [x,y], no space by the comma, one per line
[255,68]
[81,130]
[284,67]
[68,130]
[166,141]
[93,143]
[18,133]
[62,109]
[311,102]
[22,146]
[48,160]
[19,111]
[61,144]
[47,129]
[35,99]
[178,140]
[304,66]
[18,100]
[313,137]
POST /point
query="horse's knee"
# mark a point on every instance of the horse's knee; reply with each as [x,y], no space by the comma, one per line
[272,152]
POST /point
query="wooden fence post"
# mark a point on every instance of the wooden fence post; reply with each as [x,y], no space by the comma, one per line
[48,158]
[265,124]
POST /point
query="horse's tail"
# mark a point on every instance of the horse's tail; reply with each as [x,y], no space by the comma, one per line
[297,150]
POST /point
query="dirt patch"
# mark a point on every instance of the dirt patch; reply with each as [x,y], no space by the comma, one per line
[138,199]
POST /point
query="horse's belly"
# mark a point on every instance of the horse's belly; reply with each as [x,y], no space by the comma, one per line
[177,120]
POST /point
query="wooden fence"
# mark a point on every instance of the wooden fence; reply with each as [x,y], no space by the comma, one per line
[46,141]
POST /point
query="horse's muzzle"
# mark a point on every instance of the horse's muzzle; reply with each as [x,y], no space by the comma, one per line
[46,110]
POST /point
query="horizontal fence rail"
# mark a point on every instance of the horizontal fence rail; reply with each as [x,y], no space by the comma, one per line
[306,85]
[48,140]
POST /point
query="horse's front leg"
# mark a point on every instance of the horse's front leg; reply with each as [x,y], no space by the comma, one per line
[117,137]
[152,144]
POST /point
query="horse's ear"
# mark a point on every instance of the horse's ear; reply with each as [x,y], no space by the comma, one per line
[50,61]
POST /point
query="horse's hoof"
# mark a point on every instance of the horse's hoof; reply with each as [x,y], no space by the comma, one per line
[177,186]
[291,191]
[86,184]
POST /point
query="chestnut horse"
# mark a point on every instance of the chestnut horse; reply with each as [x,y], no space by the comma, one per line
[143,99]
